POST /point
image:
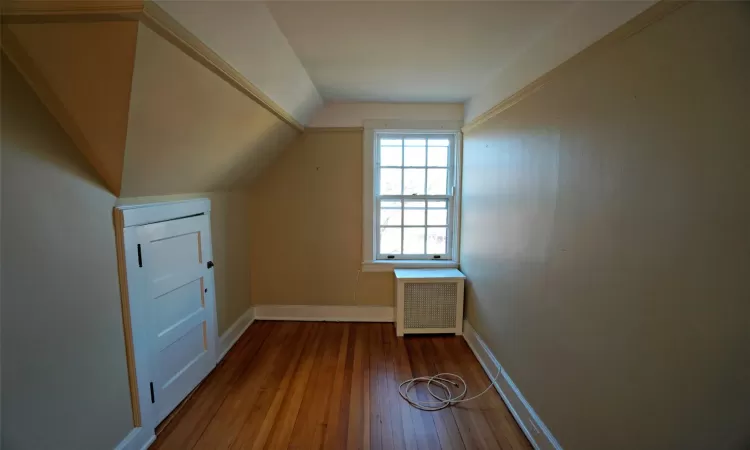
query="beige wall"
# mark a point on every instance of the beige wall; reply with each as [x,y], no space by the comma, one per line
[605,239]
[230,239]
[306,228]
[83,72]
[64,374]
[189,130]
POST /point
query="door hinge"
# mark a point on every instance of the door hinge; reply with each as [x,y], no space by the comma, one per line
[140,258]
[151,384]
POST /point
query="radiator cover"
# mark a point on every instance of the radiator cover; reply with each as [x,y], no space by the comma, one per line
[429,301]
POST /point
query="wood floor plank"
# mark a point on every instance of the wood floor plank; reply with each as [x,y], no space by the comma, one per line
[357,432]
[493,408]
[257,428]
[310,427]
[202,406]
[224,428]
[308,385]
[421,421]
[424,361]
[338,410]
[398,411]
[291,397]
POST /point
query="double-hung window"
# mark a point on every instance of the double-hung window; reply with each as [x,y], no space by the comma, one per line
[414,204]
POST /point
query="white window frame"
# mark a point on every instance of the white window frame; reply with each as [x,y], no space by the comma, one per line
[370,215]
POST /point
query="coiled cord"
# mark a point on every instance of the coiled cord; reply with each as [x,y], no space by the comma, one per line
[440,380]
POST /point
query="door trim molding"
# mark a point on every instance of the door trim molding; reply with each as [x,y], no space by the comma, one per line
[146,213]
[531,425]
[126,220]
[316,313]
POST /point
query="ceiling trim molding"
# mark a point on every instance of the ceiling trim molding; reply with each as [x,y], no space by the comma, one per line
[167,27]
[41,11]
[638,23]
[332,129]
[152,16]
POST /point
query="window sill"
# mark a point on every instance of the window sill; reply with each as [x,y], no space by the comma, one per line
[388,266]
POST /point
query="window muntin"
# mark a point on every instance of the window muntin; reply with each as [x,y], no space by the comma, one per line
[414,179]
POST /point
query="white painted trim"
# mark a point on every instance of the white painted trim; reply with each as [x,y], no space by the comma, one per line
[368,195]
[133,283]
[325,313]
[232,335]
[372,127]
[390,266]
[533,427]
[353,115]
[137,439]
[143,214]
[421,126]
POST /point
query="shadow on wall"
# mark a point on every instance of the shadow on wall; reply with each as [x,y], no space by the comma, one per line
[257,156]
[63,360]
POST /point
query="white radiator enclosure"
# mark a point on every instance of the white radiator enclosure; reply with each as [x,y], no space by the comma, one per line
[429,301]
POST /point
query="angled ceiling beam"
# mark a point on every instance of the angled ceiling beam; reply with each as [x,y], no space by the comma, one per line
[151,15]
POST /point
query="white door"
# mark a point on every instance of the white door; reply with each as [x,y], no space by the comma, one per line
[178,307]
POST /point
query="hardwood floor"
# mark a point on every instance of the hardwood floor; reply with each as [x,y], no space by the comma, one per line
[311,385]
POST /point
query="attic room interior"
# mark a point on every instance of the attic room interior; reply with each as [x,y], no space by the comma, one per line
[374,225]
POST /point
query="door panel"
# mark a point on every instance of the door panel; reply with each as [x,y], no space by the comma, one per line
[176,305]
[180,354]
[179,307]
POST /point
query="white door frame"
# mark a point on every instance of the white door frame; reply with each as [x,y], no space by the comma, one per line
[133,314]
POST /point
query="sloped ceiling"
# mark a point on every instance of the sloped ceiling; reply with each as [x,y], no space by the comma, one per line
[189,131]
[393,51]
[245,35]
[150,119]
[83,71]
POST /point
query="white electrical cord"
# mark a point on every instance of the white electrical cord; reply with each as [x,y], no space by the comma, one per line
[439,380]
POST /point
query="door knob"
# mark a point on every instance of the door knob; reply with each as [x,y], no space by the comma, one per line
[210,264]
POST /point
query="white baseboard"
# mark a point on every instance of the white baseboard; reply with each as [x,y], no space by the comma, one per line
[230,337]
[538,434]
[138,439]
[325,313]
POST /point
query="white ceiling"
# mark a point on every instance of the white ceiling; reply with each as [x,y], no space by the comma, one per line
[392,51]
[397,51]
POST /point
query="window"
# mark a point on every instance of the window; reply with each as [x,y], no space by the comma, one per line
[413,188]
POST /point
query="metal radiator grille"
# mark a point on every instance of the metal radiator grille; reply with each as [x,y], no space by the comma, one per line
[430,305]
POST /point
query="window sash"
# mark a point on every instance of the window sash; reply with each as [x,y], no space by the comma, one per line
[447,198]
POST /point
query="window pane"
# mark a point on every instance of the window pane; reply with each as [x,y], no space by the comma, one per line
[437,217]
[390,156]
[390,141]
[392,217]
[436,181]
[439,142]
[390,241]
[390,181]
[414,217]
[391,204]
[437,156]
[413,241]
[414,181]
[414,156]
[414,204]
[436,240]
[418,142]
[436,204]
